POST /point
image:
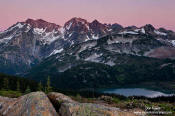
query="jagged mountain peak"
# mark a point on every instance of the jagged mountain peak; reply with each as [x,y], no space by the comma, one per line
[116,27]
[149,25]
[77,19]
[162,29]
[42,24]
[116,24]
[165,30]
[95,22]
[149,28]
[11,30]
[31,21]
[133,27]
[98,28]
[77,24]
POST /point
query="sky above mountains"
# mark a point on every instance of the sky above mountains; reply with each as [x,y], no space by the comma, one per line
[160,13]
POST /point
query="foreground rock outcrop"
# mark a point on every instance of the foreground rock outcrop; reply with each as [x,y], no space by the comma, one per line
[38,104]
[55,97]
[33,104]
[68,107]
[88,109]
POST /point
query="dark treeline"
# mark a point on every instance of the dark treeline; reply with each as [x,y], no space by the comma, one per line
[16,83]
[22,85]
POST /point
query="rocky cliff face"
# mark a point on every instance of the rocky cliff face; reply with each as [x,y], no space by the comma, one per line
[38,104]
[25,44]
[28,43]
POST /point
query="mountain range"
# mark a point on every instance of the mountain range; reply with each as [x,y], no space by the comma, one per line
[87,52]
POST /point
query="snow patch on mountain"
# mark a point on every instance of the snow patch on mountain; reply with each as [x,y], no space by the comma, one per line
[50,37]
[63,69]
[94,57]
[110,63]
[159,33]
[87,39]
[39,31]
[112,41]
[142,30]
[62,30]
[87,26]
[173,42]
[85,46]
[6,40]
[56,52]
[28,28]
[18,25]
[70,34]
[128,32]
[69,26]
[95,37]
[48,40]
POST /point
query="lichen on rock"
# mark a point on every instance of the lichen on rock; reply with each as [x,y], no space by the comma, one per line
[33,104]
[69,107]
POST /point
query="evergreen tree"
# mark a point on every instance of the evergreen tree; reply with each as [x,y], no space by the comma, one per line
[40,87]
[27,90]
[48,87]
[6,84]
[18,86]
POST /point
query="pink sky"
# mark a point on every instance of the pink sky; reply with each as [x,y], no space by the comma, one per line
[160,13]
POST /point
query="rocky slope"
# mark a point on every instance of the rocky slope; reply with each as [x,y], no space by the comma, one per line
[37,104]
[27,43]
[128,70]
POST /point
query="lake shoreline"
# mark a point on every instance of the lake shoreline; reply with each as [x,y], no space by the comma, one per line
[128,92]
[167,88]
